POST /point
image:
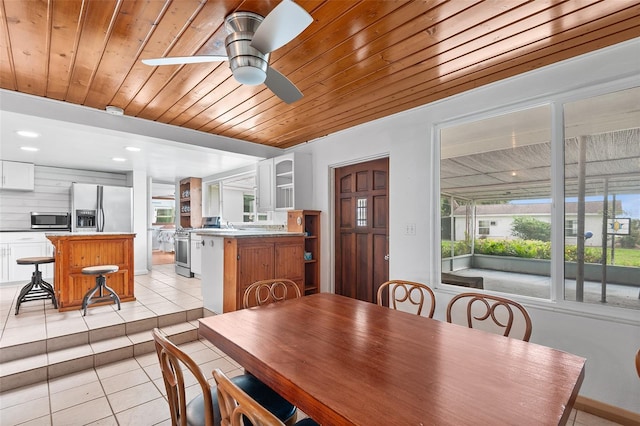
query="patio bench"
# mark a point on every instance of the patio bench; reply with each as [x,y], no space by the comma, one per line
[472,282]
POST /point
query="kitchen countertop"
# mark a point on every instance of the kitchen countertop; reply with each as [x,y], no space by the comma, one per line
[244,233]
[31,230]
[84,234]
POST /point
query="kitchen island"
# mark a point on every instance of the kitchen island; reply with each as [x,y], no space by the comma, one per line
[76,250]
[232,259]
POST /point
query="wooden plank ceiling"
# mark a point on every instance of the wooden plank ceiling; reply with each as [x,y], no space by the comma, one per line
[358,61]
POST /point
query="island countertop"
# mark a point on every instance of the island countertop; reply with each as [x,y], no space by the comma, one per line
[84,234]
[244,233]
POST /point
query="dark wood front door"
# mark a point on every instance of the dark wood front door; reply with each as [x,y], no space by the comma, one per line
[362,228]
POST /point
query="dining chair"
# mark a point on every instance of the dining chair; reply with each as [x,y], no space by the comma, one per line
[236,406]
[407,294]
[269,291]
[490,313]
[204,409]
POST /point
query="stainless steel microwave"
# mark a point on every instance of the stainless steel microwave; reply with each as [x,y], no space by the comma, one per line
[50,220]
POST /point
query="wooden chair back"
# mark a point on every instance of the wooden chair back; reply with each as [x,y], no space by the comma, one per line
[490,313]
[235,404]
[407,296]
[172,360]
[638,362]
[269,291]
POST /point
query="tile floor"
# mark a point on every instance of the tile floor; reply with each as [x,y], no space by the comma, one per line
[159,293]
[129,391]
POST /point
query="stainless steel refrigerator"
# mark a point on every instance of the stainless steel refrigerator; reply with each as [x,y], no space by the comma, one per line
[101,208]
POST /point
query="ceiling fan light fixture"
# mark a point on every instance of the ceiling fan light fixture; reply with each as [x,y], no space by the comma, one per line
[249,75]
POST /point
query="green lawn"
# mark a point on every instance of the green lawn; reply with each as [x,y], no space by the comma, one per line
[624,257]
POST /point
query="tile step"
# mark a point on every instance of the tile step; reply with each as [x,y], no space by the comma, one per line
[34,368]
[20,349]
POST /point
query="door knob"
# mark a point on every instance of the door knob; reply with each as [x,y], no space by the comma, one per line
[386,257]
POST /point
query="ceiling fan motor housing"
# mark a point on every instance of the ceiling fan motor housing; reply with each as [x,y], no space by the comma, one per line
[248,65]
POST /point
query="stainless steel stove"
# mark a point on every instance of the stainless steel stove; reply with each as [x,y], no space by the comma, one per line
[182,241]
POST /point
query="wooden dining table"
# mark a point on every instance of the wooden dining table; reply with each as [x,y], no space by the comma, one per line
[347,362]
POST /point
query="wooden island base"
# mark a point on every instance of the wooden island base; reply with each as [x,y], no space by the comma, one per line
[74,251]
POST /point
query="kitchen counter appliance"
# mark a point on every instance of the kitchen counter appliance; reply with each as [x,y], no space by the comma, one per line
[211,222]
[101,208]
[61,221]
[182,243]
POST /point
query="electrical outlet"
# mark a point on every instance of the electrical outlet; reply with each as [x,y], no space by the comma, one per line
[410,229]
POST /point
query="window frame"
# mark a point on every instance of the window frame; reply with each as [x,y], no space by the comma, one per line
[574,228]
[556,101]
[484,224]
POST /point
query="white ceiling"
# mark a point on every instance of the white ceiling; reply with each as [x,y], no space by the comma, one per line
[83,138]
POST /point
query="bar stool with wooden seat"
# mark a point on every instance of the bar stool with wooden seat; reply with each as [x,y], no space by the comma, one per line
[37,289]
[100,287]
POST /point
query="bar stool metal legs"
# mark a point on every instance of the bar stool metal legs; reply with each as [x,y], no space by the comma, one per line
[37,288]
[104,291]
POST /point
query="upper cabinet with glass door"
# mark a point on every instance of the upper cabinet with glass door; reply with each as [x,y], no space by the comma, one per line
[284,182]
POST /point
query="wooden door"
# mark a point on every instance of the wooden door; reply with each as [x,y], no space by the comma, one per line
[362,228]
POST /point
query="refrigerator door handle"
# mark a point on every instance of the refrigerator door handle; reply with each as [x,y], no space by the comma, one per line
[100,210]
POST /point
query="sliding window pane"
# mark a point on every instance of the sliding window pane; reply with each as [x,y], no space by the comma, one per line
[602,199]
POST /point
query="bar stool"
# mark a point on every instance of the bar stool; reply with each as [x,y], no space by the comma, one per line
[37,289]
[101,286]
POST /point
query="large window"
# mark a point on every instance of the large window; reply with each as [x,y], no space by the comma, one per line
[504,168]
[500,167]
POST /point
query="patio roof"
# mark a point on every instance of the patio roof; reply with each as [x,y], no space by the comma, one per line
[524,172]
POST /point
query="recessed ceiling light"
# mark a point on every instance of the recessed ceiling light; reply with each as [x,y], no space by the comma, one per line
[119,159]
[27,134]
[29,148]
[132,148]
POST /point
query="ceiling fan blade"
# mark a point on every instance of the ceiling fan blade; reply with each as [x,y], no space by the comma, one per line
[179,60]
[280,26]
[282,87]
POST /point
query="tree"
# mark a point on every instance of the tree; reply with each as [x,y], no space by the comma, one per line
[529,228]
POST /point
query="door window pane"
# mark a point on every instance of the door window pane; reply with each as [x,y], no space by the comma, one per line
[361,212]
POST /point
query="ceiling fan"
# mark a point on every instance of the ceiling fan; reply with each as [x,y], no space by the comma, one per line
[250,41]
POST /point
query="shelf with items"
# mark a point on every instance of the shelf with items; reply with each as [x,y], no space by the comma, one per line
[190,203]
[308,222]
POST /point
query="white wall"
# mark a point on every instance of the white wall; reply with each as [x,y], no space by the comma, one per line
[51,194]
[608,344]
[141,222]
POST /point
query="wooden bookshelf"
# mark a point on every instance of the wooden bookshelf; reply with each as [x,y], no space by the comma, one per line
[190,203]
[308,221]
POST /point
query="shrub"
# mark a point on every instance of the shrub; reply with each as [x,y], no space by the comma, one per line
[459,248]
[529,228]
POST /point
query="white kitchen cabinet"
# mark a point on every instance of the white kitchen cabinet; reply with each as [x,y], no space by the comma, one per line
[284,182]
[292,175]
[264,185]
[19,176]
[196,254]
[16,245]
